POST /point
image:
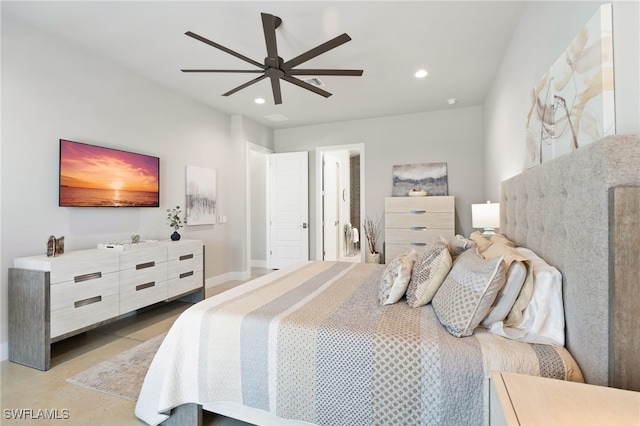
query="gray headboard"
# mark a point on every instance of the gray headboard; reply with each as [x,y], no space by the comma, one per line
[563,210]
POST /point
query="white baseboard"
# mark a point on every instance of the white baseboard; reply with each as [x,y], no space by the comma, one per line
[255,263]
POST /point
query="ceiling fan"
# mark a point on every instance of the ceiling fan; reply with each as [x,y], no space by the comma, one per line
[274,67]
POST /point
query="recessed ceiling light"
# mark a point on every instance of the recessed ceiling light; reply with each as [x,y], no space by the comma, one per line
[259,101]
[452,101]
[421,73]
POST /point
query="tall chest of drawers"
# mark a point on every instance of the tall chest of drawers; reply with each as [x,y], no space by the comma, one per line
[415,222]
[52,298]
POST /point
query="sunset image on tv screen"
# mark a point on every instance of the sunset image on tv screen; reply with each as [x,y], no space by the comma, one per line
[97,176]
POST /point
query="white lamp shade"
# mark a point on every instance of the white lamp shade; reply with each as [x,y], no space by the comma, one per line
[485,215]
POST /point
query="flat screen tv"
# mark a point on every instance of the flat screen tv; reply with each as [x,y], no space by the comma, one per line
[95,176]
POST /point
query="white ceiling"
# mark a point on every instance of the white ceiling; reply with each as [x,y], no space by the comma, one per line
[459,43]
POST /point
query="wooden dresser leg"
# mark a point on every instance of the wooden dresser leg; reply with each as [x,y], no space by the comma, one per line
[29,326]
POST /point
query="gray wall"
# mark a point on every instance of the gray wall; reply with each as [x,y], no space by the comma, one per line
[544,32]
[452,136]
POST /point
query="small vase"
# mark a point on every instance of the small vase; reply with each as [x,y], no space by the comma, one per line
[175,236]
[373,258]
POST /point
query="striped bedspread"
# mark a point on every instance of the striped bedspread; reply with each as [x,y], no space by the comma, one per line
[312,343]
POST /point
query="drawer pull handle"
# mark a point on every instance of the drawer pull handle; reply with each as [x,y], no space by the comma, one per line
[145,265]
[147,285]
[88,301]
[87,277]
[418,211]
[186,256]
[186,274]
[418,244]
[418,228]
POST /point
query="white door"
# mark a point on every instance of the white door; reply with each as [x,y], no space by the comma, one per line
[289,209]
[331,219]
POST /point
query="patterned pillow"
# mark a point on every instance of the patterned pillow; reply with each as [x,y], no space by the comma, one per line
[429,272]
[396,278]
[468,292]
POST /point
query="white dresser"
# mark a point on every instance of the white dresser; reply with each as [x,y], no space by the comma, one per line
[52,298]
[415,222]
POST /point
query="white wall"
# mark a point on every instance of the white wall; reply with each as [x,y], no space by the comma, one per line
[544,32]
[258,173]
[51,90]
[452,136]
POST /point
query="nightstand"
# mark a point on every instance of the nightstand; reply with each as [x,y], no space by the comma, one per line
[517,399]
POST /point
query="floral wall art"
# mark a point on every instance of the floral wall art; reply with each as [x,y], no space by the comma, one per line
[573,103]
[201,196]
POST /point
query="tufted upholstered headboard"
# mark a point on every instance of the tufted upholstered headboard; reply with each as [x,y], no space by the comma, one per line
[572,212]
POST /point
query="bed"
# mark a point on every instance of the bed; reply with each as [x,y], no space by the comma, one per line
[312,343]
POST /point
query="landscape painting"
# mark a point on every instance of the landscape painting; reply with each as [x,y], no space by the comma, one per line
[429,177]
[201,196]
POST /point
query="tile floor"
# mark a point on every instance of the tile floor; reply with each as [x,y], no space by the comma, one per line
[24,388]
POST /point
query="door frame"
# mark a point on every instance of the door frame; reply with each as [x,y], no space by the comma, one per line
[320,150]
[263,150]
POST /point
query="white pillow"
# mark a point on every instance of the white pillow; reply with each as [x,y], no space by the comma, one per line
[543,318]
[396,278]
[466,295]
[507,297]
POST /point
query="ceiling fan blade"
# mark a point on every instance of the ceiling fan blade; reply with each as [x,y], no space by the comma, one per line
[318,50]
[224,49]
[269,28]
[307,86]
[205,70]
[247,84]
[277,93]
[354,73]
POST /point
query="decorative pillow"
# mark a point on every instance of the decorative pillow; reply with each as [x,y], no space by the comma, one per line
[396,278]
[543,318]
[457,245]
[468,292]
[509,255]
[481,241]
[429,272]
[501,239]
[507,297]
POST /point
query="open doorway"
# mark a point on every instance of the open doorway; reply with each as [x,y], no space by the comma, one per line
[340,202]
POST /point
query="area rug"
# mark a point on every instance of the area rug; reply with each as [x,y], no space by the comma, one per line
[122,375]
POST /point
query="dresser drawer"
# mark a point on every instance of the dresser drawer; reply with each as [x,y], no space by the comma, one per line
[130,279]
[138,258]
[142,295]
[74,294]
[419,204]
[73,266]
[416,235]
[422,219]
[186,281]
[72,318]
[178,249]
